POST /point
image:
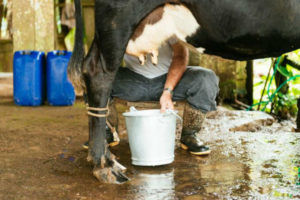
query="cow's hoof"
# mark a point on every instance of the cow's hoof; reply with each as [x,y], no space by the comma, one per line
[110,175]
[111,172]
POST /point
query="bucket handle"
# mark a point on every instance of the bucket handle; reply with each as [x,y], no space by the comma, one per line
[174,113]
[132,109]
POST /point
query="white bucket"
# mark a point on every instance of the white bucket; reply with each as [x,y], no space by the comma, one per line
[151,136]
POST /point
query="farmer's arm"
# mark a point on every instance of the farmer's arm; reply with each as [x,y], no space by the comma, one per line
[176,70]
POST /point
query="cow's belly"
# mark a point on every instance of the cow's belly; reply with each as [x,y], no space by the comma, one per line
[176,22]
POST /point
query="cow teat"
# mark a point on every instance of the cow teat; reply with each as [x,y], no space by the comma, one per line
[154,55]
[159,26]
[142,59]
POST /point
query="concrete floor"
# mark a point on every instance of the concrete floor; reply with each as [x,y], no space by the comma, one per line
[253,157]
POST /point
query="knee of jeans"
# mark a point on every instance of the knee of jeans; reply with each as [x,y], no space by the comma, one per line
[206,75]
[206,82]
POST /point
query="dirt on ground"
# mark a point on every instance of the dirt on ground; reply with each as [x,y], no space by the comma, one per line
[253,157]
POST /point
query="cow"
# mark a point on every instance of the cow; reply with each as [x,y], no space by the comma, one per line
[239,30]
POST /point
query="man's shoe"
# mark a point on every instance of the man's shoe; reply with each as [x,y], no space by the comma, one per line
[191,143]
[112,139]
[192,124]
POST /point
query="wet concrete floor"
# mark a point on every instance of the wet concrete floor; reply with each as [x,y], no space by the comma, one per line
[253,157]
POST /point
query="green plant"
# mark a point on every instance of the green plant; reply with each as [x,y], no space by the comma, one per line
[280,98]
[285,105]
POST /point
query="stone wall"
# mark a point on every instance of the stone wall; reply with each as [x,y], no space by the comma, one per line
[232,74]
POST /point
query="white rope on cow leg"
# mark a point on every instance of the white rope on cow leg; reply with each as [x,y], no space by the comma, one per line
[97,109]
[106,109]
[112,128]
[97,115]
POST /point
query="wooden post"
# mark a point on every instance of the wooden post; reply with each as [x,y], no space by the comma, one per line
[1,14]
[89,20]
[249,82]
[34,25]
[44,25]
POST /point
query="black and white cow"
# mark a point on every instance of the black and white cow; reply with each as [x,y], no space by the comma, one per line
[241,30]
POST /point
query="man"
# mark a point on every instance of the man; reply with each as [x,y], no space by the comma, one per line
[170,80]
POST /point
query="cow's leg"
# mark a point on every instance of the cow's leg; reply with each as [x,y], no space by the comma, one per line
[98,82]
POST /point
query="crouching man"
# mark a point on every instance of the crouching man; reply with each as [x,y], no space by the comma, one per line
[170,80]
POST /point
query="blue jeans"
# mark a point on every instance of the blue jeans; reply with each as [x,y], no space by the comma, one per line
[198,85]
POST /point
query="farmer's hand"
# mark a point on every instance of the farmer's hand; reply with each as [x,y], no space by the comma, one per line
[166,101]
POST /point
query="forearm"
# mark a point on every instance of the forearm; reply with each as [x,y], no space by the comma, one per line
[177,68]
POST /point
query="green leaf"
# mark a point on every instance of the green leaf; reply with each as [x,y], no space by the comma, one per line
[284,71]
[295,92]
[296,81]
[258,83]
[263,77]
[69,39]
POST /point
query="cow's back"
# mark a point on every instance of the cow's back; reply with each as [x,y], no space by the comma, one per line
[244,29]
[247,28]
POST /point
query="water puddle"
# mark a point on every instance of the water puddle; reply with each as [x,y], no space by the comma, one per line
[260,163]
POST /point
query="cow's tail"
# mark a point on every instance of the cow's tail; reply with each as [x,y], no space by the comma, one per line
[76,61]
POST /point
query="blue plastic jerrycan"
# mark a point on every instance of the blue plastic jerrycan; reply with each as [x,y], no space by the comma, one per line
[60,91]
[29,78]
